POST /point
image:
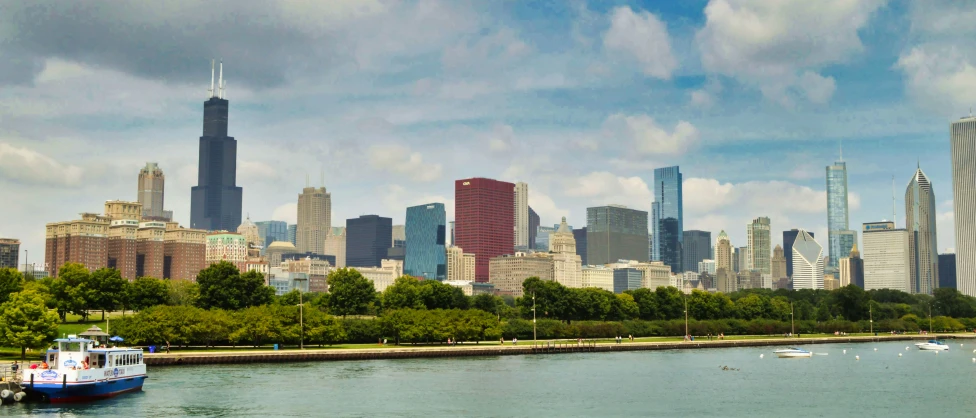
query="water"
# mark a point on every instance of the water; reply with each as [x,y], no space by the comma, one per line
[649,384]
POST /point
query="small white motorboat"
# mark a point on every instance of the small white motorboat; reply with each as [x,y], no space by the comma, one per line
[793,352]
[933,345]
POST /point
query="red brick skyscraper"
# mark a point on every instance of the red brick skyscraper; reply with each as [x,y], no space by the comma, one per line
[484,215]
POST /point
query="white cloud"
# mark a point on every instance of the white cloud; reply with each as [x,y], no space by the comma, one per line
[602,188]
[644,38]
[650,139]
[547,209]
[485,52]
[287,212]
[29,167]
[778,45]
[939,75]
[254,171]
[397,198]
[501,139]
[399,159]
[702,99]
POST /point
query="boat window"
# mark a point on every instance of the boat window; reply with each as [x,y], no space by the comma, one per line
[70,346]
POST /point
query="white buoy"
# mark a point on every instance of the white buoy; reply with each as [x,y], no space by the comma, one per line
[936,353]
[906,348]
[974,359]
[845,351]
[899,354]
[857,357]
[761,355]
[875,349]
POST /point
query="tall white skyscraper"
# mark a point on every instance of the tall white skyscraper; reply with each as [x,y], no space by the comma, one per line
[839,238]
[808,262]
[522,215]
[314,220]
[922,241]
[885,257]
[758,257]
[964,202]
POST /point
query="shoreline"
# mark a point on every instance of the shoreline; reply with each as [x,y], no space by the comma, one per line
[541,347]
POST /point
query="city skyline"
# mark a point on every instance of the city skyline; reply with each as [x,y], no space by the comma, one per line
[564,179]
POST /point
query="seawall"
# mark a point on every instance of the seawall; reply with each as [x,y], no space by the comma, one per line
[469,350]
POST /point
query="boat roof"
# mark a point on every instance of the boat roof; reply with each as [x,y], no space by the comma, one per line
[72,340]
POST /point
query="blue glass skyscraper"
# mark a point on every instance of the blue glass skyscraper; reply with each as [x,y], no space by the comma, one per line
[839,238]
[271,231]
[425,231]
[667,219]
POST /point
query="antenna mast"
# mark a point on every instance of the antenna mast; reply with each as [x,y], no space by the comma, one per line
[220,83]
[211,91]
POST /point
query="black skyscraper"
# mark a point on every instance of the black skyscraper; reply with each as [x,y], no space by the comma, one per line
[788,238]
[580,236]
[695,247]
[533,228]
[368,240]
[947,270]
[215,202]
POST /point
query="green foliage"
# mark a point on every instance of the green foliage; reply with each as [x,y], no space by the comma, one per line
[182,292]
[403,294]
[11,281]
[851,302]
[68,290]
[145,292]
[26,322]
[350,292]
[222,286]
[106,290]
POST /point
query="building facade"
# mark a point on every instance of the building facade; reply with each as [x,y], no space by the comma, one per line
[777,265]
[485,220]
[885,255]
[808,262]
[852,269]
[368,238]
[614,233]
[963,141]
[667,217]
[521,216]
[923,259]
[626,278]
[278,251]
[383,275]
[150,193]
[271,231]
[580,235]
[542,237]
[567,265]
[837,215]
[460,265]
[9,253]
[335,245]
[788,238]
[509,271]
[534,222]
[315,270]
[314,220]
[600,277]
[695,247]
[707,267]
[947,270]
[215,202]
[425,232]
[759,246]
[227,246]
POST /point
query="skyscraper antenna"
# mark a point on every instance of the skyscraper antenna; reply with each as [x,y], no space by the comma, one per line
[220,82]
[211,91]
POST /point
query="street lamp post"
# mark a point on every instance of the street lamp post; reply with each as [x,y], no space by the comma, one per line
[686,316]
[871,317]
[792,322]
[533,318]
[301,320]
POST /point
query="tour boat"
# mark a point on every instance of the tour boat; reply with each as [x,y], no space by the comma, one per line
[80,371]
[933,345]
[792,352]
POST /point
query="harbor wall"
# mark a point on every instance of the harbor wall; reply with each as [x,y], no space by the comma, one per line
[470,349]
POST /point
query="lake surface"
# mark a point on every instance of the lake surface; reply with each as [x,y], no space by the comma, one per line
[649,384]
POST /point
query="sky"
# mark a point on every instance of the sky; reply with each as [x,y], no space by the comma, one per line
[390,101]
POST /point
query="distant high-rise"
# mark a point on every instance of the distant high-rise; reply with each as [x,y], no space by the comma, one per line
[485,220]
[777,266]
[667,220]
[368,238]
[741,259]
[947,270]
[695,247]
[788,238]
[522,216]
[293,234]
[150,192]
[534,222]
[885,254]
[615,233]
[580,235]
[542,237]
[335,245]
[808,263]
[724,264]
[837,214]
[215,202]
[314,220]
[852,269]
[922,242]
[567,265]
[271,231]
[425,231]
[9,253]
[759,246]
[964,202]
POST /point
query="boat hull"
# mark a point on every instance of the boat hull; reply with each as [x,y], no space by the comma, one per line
[83,392]
[794,355]
[933,347]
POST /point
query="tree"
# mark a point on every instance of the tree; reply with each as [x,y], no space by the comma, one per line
[948,301]
[752,306]
[68,290]
[647,303]
[625,308]
[11,281]
[26,323]
[404,293]
[851,302]
[437,295]
[182,292]
[321,328]
[670,302]
[146,292]
[222,286]
[350,292]
[486,302]
[106,289]
[292,298]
